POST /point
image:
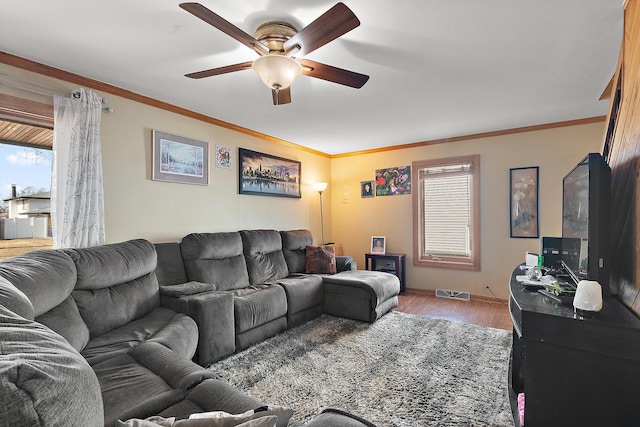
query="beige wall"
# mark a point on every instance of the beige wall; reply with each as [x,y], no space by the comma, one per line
[555,151]
[136,206]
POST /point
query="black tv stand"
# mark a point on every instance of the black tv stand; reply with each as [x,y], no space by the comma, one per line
[574,371]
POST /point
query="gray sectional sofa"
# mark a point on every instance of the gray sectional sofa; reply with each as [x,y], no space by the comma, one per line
[258,282]
[96,335]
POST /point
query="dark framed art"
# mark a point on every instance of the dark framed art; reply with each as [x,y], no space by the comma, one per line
[523,211]
[180,159]
[366,189]
[266,175]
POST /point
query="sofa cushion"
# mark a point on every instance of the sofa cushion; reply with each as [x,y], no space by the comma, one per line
[65,319]
[126,261]
[174,330]
[170,268]
[15,300]
[215,258]
[379,285]
[45,382]
[303,292]
[46,277]
[257,305]
[109,308]
[131,390]
[294,248]
[264,257]
[321,259]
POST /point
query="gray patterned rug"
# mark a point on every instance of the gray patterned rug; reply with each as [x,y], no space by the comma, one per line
[402,370]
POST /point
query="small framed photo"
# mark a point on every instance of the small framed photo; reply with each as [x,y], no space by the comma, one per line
[179,159]
[366,189]
[223,157]
[378,244]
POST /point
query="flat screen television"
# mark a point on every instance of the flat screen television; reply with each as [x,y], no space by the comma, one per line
[586,205]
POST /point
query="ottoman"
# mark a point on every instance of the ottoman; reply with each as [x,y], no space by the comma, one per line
[360,294]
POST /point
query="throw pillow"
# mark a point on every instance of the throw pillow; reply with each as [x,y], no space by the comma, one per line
[321,259]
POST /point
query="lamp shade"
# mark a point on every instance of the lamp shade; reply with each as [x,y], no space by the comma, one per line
[320,186]
[277,71]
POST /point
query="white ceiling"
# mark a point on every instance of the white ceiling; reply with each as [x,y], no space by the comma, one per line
[438,68]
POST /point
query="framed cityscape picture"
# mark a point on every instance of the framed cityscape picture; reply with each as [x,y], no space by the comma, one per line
[266,175]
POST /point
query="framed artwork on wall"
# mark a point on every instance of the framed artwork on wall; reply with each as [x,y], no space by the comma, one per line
[366,189]
[180,159]
[523,211]
[378,244]
[393,181]
[223,157]
[266,175]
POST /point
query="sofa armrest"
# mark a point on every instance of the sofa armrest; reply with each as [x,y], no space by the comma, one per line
[184,289]
[345,263]
[214,314]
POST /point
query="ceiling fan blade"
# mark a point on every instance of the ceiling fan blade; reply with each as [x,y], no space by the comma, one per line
[225,26]
[220,70]
[283,96]
[329,26]
[333,74]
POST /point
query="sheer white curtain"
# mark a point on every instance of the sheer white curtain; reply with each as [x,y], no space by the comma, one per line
[77,209]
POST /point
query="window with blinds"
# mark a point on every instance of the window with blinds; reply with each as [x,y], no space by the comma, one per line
[446,210]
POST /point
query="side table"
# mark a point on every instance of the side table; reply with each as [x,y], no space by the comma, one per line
[389,263]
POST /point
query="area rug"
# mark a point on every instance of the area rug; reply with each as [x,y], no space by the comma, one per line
[402,370]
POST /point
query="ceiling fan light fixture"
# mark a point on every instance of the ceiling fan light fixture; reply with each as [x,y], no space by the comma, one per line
[277,71]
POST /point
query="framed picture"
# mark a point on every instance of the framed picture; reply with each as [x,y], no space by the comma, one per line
[524,202]
[366,189]
[393,181]
[266,175]
[378,244]
[223,157]
[179,159]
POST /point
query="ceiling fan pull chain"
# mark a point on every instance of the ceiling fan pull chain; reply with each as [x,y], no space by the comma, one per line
[276,89]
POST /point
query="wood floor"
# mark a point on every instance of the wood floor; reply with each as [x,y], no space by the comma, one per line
[494,314]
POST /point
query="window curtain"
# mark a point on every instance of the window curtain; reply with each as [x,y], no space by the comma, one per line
[77,202]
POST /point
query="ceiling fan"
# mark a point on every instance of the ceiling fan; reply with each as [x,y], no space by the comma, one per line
[279,45]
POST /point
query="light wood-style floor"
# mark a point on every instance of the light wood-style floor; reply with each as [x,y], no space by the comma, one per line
[494,314]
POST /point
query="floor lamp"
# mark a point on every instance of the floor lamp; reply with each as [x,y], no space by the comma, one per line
[320,187]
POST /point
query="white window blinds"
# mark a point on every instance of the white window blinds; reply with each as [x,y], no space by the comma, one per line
[447,209]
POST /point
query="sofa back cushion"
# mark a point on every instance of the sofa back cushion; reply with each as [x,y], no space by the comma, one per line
[263,253]
[45,382]
[170,268]
[46,277]
[116,283]
[15,300]
[294,244]
[215,258]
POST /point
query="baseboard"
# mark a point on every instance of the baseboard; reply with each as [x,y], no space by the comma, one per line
[432,293]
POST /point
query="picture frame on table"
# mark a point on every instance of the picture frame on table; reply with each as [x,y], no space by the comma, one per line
[378,244]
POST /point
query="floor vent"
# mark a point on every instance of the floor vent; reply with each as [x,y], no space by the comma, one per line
[445,293]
